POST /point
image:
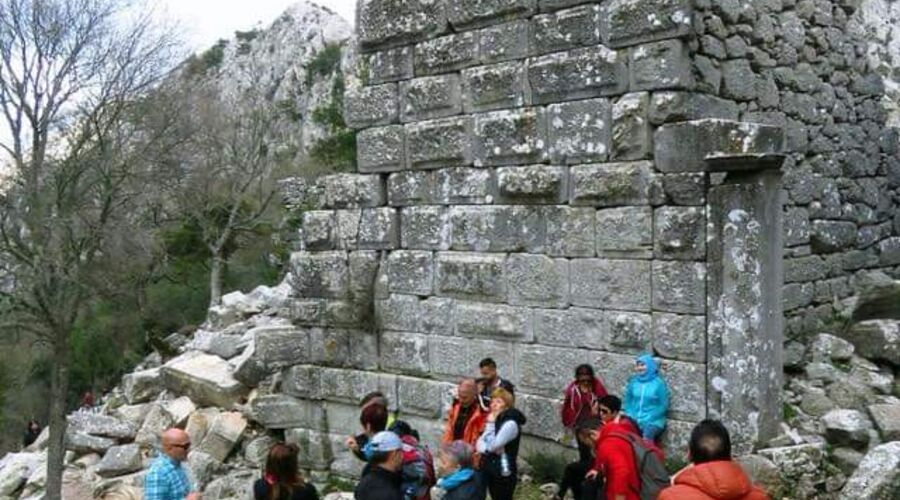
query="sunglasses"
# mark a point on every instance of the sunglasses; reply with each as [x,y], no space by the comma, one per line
[183,446]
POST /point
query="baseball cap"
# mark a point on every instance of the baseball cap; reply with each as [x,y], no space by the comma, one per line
[385,441]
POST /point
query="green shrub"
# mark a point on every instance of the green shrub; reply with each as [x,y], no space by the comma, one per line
[546,467]
[324,63]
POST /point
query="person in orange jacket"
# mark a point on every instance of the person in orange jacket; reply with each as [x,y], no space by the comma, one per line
[614,458]
[711,475]
[466,419]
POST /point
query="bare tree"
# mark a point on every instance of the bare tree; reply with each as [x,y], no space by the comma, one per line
[70,75]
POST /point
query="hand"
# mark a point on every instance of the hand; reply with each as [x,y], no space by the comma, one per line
[591,474]
[352,444]
[193,496]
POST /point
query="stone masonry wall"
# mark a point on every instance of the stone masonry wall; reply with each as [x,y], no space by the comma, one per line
[533,186]
[818,69]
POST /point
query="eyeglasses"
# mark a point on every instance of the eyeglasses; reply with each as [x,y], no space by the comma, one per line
[183,446]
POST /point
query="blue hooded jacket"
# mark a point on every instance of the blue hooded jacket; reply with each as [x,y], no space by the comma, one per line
[646,395]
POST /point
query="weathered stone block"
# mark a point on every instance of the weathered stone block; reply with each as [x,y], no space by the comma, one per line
[398,313]
[330,346]
[315,447]
[422,397]
[346,229]
[877,474]
[625,232]
[464,185]
[687,383]
[538,367]
[404,352]
[410,187]
[616,284]
[543,416]
[676,106]
[632,137]
[506,228]
[802,269]
[611,184]
[379,229]
[449,356]
[661,65]
[683,189]
[570,231]
[445,54]
[320,274]
[683,147]
[371,106]
[301,381]
[425,228]
[435,316]
[206,379]
[381,149]
[469,13]
[628,22]
[318,228]
[577,74]
[679,336]
[475,319]
[410,271]
[832,236]
[593,329]
[889,251]
[350,386]
[565,29]
[739,82]
[532,184]
[537,280]
[502,85]
[387,65]
[142,386]
[225,432]
[439,143]
[470,275]
[887,419]
[391,22]
[353,190]
[278,411]
[364,267]
[679,287]
[510,137]
[364,349]
[679,233]
[429,97]
[579,131]
[503,42]
[120,460]
[276,347]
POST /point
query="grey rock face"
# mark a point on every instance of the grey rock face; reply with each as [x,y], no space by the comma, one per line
[847,427]
[887,420]
[579,131]
[120,460]
[429,97]
[579,73]
[100,425]
[439,143]
[510,137]
[629,22]
[497,86]
[141,386]
[223,435]
[877,339]
[206,379]
[878,475]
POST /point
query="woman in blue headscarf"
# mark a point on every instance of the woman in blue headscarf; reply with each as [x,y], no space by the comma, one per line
[647,397]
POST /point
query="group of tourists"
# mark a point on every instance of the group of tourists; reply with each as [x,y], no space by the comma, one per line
[619,457]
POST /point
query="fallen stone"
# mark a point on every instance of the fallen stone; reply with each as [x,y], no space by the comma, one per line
[847,428]
[877,339]
[141,386]
[878,475]
[206,379]
[826,347]
[762,472]
[879,298]
[257,450]
[224,433]
[846,459]
[16,470]
[89,460]
[101,425]
[157,421]
[236,485]
[80,442]
[799,466]
[179,410]
[816,403]
[120,460]
[199,422]
[133,414]
[201,468]
[887,420]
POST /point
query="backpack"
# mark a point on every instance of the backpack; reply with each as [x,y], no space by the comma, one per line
[418,469]
[651,470]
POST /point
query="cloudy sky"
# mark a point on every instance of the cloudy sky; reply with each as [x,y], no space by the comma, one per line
[205,21]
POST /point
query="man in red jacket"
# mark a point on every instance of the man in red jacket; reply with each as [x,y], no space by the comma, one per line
[712,475]
[614,458]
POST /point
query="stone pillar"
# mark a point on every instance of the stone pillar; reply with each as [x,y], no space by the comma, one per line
[744,303]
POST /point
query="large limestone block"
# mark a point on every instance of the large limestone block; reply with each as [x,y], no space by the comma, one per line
[150,434]
[631,137]
[532,184]
[379,229]
[493,320]
[271,348]
[411,271]
[510,137]
[538,367]
[878,475]
[430,97]
[887,420]
[565,29]
[279,411]
[537,280]
[206,379]
[381,149]
[100,425]
[444,142]
[410,187]
[628,22]
[350,386]
[404,352]
[180,409]
[496,86]
[592,329]
[579,131]
[503,42]
[81,443]
[570,231]
[464,185]
[577,74]
[320,274]
[389,22]
[468,13]
[827,236]
[625,232]
[679,233]
[141,386]
[388,65]
[120,460]
[470,275]
[543,415]
[315,447]
[371,106]
[423,397]
[680,336]
[352,191]
[679,287]
[684,147]
[446,54]
[877,339]
[223,435]
[847,428]
[504,228]
[16,469]
[610,283]
[611,184]
[661,65]
[678,106]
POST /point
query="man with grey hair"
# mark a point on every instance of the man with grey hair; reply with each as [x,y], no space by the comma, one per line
[458,476]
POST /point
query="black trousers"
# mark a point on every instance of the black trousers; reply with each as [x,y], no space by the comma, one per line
[500,487]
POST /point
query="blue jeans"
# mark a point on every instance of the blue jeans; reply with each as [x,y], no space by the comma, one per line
[651,432]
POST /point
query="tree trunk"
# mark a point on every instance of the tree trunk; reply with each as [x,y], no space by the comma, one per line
[59,388]
[215,279]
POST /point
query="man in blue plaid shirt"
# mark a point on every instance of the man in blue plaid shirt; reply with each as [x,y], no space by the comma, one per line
[167,479]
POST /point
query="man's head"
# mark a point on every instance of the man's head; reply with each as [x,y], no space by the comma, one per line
[586,431]
[453,456]
[373,417]
[387,451]
[488,369]
[176,444]
[608,407]
[466,392]
[709,442]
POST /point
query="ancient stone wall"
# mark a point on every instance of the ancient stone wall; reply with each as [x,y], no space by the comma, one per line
[824,71]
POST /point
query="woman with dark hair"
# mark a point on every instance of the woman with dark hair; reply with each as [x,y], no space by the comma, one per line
[581,395]
[282,480]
